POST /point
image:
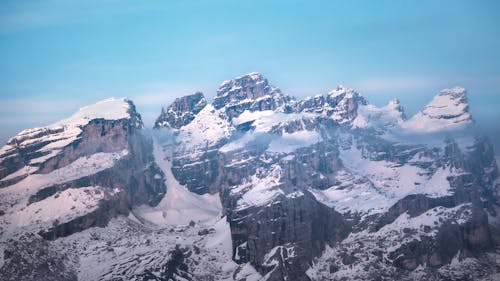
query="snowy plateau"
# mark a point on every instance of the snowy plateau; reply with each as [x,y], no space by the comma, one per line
[253,185]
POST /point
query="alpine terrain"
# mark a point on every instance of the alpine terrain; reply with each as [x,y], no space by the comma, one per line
[253,185]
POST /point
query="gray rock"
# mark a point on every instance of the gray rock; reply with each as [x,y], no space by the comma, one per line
[181,112]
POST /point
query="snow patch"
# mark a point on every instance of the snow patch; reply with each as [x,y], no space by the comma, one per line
[109,109]
[206,129]
[179,206]
[259,191]
[17,194]
[447,111]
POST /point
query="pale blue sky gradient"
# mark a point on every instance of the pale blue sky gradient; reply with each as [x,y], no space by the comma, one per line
[56,56]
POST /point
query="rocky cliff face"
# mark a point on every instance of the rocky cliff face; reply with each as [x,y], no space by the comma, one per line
[181,111]
[262,186]
[250,92]
[93,166]
[340,104]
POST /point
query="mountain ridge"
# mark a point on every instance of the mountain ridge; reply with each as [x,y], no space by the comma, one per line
[255,185]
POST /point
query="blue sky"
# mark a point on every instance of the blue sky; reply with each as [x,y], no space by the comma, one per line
[56,56]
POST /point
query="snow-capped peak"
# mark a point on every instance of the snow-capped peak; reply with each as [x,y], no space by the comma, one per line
[342,90]
[182,111]
[108,109]
[340,104]
[448,110]
[248,87]
[39,145]
[449,104]
[251,76]
[248,92]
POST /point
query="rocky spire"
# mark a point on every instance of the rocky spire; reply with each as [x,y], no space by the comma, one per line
[182,111]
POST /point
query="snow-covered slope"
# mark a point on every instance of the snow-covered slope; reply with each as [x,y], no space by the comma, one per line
[109,109]
[448,110]
[179,206]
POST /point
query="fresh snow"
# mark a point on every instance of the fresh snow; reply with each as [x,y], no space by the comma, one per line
[431,219]
[248,273]
[353,195]
[263,123]
[259,190]
[395,180]
[447,111]
[126,248]
[369,186]
[109,109]
[62,207]
[207,129]
[44,158]
[63,133]
[387,239]
[17,194]
[26,170]
[179,206]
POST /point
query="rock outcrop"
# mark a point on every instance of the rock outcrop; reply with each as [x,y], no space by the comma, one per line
[250,92]
[181,112]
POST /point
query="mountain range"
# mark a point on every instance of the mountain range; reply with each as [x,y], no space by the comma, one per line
[253,185]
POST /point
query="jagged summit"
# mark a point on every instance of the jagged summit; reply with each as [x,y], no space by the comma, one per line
[247,87]
[340,104]
[249,92]
[252,76]
[182,111]
[448,110]
[344,91]
[253,92]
